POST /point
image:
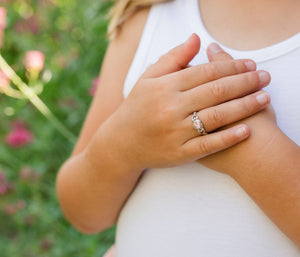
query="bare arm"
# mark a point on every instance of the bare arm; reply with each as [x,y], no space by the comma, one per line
[267,166]
[120,139]
[117,61]
[79,185]
[273,177]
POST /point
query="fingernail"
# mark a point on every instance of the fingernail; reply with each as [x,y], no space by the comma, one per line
[241,132]
[264,77]
[214,48]
[251,66]
[263,98]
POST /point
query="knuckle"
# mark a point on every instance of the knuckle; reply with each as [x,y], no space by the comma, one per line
[160,88]
[159,125]
[216,116]
[210,70]
[217,89]
[205,147]
[171,57]
[168,112]
[246,106]
[225,140]
[239,66]
[166,117]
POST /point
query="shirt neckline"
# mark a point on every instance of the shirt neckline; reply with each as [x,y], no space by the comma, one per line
[259,55]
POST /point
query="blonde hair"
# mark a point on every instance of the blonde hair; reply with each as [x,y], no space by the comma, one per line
[123,9]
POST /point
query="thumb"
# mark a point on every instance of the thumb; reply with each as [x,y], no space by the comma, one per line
[176,59]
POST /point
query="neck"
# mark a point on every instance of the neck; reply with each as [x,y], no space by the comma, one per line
[252,24]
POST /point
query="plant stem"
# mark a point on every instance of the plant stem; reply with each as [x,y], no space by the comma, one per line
[12,93]
[35,100]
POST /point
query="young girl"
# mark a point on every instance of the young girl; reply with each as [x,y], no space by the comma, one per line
[173,188]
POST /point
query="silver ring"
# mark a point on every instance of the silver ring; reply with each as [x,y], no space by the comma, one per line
[198,125]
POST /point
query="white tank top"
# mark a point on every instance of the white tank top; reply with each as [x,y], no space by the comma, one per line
[190,210]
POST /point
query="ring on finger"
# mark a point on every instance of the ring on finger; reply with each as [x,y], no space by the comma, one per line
[198,125]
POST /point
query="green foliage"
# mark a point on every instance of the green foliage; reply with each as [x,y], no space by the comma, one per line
[72,35]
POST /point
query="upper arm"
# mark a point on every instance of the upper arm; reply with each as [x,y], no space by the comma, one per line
[117,60]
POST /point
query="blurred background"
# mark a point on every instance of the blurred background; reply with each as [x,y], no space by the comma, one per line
[56,48]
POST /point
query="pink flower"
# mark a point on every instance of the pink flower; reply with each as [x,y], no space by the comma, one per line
[2,18]
[11,209]
[93,89]
[34,61]
[2,24]
[30,25]
[19,136]
[28,174]
[4,80]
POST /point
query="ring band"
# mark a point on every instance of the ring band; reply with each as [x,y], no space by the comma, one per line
[198,125]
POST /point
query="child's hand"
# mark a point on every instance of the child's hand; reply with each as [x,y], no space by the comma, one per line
[153,127]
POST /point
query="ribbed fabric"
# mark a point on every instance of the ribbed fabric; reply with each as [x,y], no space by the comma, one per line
[191,210]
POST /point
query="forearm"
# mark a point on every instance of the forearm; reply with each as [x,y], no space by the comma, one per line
[91,190]
[272,179]
[267,167]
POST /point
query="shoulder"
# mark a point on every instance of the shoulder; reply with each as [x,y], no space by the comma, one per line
[133,27]
[127,38]
[109,94]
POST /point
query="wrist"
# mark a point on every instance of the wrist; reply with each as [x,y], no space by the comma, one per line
[260,149]
[114,149]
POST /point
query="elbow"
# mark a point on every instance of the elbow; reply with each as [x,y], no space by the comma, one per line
[85,223]
[78,216]
[87,213]
[90,229]
[88,226]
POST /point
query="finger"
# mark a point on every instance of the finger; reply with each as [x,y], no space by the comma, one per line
[216,53]
[202,146]
[229,112]
[175,60]
[222,90]
[203,73]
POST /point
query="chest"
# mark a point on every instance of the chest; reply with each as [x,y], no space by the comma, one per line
[249,25]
